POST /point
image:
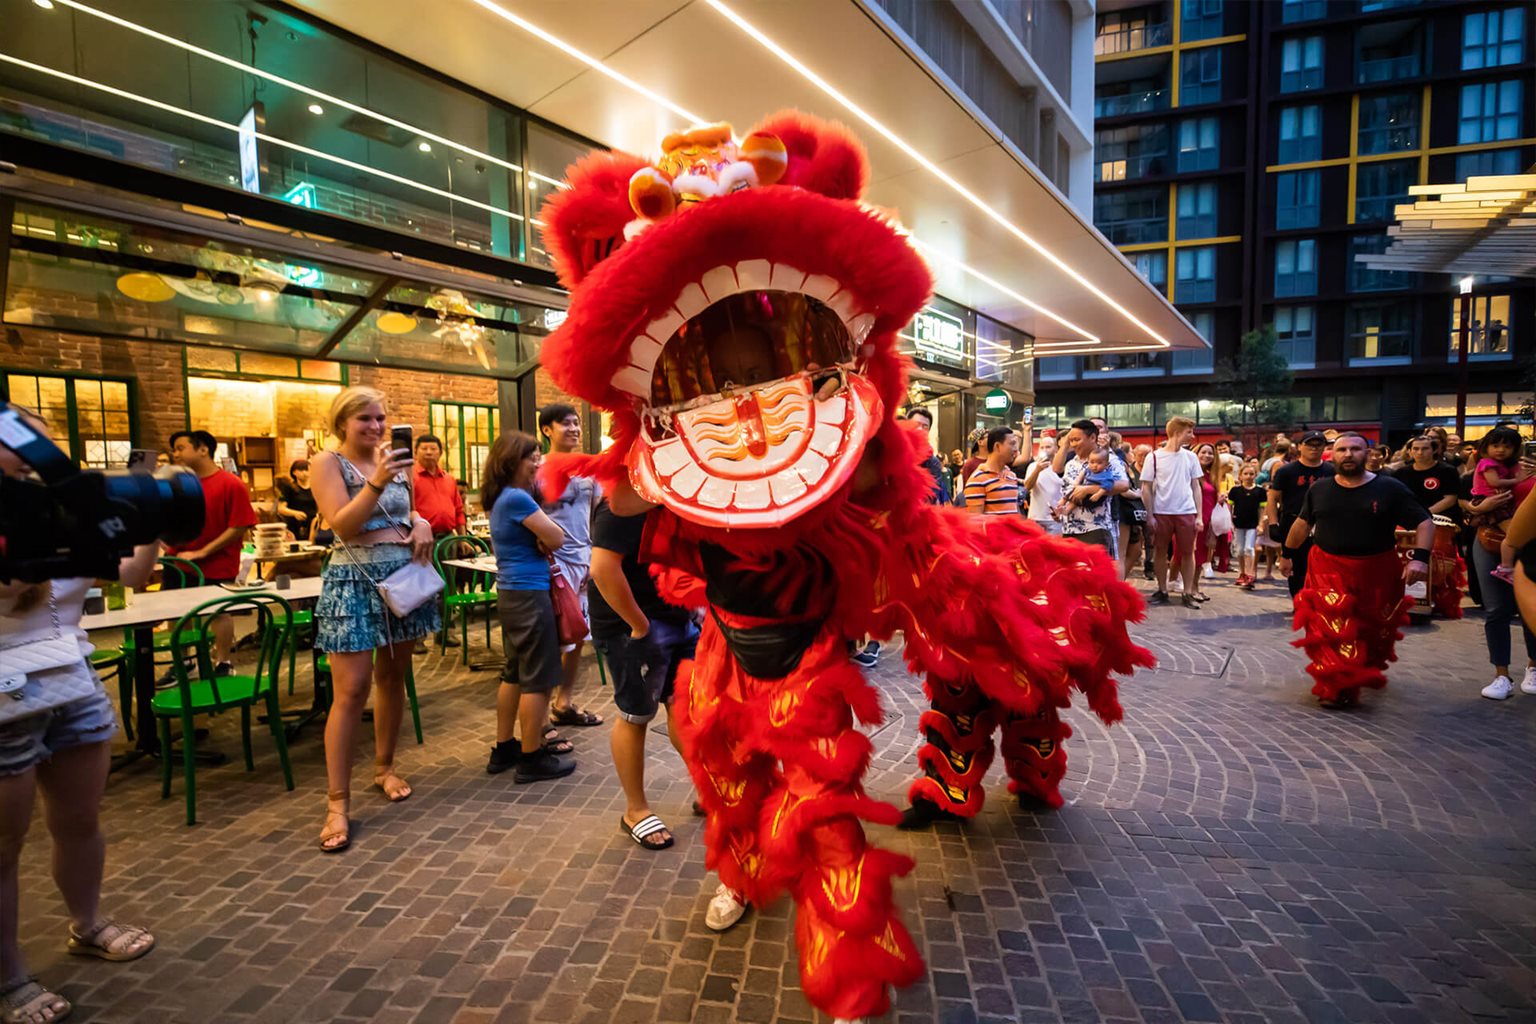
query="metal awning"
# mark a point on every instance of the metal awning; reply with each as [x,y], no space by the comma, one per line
[1485,225]
[100,263]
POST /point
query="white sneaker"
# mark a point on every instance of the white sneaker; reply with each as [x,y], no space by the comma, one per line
[1528,684]
[1176,585]
[725,909]
[1500,688]
[1209,573]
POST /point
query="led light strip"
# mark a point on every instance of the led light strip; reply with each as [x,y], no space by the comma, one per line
[299,87]
[928,165]
[215,122]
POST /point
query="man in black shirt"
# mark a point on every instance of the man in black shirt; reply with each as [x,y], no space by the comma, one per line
[1352,602]
[1288,487]
[642,639]
[1435,484]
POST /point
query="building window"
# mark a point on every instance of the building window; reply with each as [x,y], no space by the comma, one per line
[1363,278]
[1389,123]
[1295,336]
[1123,31]
[1301,64]
[1199,144]
[467,432]
[1196,360]
[1153,267]
[1490,112]
[1491,39]
[1295,267]
[1489,161]
[1489,338]
[1135,151]
[1201,20]
[1197,211]
[1200,76]
[90,417]
[1126,364]
[1195,273]
[1292,11]
[1380,332]
[1131,216]
[1296,200]
[1301,135]
[1057,367]
[1113,99]
[1380,186]
[1393,60]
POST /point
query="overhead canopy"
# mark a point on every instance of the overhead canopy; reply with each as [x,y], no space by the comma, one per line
[1000,238]
[1485,225]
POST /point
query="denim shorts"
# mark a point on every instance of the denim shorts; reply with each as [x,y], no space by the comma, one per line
[643,671]
[352,616]
[30,741]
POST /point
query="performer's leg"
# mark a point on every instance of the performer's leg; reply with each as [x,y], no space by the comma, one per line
[957,749]
[1034,755]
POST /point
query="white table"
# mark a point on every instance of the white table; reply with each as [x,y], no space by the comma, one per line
[154,607]
[485,563]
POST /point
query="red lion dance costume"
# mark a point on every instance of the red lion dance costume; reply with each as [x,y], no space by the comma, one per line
[735,307]
[1351,611]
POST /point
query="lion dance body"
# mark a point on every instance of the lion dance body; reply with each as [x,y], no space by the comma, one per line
[735,307]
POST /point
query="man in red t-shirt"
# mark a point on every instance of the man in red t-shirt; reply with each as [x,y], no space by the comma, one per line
[438,500]
[228,516]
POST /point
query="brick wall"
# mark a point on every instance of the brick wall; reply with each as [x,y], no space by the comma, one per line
[409,391]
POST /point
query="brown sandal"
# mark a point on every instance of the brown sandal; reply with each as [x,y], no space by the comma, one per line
[111,941]
[26,1001]
[394,787]
[344,834]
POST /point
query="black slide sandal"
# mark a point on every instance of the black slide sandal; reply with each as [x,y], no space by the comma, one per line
[644,829]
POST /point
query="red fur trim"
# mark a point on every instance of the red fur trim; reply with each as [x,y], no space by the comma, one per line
[824,156]
[926,788]
[584,224]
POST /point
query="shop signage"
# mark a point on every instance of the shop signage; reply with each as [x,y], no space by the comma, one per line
[250,159]
[939,335]
[996,401]
[303,194]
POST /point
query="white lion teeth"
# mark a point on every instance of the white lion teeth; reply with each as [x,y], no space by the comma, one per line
[785,278]
[860,326]
[819,286]
[751,494]
[717,492]
[812,466]
[719,283]
[644,351]
[754,275]
[633,381]
[666,325]
[670,457]
[843,305]
[687,481]
[786,486]
[832,410]
[691,302]
[826,439]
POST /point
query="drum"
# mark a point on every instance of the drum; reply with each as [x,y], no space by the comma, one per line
[1420,605]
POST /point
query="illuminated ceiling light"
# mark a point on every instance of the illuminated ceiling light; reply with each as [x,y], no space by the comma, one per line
[46,5]
[284,143]
[247,69]
[316,109]
[144,287]
[591,62]
[391,322]
[928,165]
[424,146]
[927,249]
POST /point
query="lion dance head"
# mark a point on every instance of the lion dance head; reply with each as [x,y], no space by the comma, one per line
[735,306]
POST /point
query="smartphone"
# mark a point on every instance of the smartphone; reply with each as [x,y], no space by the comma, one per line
[400,436]
[142,459]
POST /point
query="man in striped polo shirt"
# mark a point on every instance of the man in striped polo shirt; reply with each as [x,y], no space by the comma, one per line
[993,489]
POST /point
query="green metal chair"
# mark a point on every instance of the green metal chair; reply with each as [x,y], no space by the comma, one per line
[464,591]
[112,661]
[303,625]
[323,679]
[199,692]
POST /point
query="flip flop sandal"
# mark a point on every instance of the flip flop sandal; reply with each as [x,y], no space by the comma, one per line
[572,715]
[118,948]
[645,828]
[26,1000]
[344,833]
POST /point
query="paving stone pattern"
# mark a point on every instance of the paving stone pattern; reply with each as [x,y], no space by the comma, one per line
[1230,852]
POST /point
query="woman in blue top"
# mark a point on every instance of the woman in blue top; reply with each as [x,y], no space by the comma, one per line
[523,536]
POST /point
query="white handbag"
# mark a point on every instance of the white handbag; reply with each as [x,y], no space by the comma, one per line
[409,587]
[43,673]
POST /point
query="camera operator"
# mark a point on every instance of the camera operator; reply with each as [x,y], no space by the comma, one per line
[228,516]
[64,750]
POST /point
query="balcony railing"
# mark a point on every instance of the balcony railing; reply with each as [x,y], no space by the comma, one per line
[1134,232]
[1388,69]
[1132,103]
[1132,37]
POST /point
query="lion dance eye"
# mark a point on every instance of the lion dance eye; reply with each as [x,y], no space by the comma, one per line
[650,194]
[767,155]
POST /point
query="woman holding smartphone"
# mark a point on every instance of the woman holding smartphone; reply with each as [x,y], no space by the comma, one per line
[363,493]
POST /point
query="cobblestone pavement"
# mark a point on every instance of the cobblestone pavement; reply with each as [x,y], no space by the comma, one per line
[1230,852]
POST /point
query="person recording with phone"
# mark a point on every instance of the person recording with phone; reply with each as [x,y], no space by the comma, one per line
[363,492]
[63,750]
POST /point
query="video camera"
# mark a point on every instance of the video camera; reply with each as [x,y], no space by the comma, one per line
[80,522]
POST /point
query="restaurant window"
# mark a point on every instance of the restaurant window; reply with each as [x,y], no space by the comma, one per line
[90,417]
[1490,330]
[467,432]
[1380,333]
[1296,200]
[1131,216]
[1389,123]
[1363,278]
[1057,368]
[1490,111]
[1195,274]
[1200,76]
[1199,144]
[1489,161]
[1301,135]
[1295,267]
[1295,336]
[1136,151]
[1197,211]
[1491,39]
[1301,64]
[1380,186]
[1196,360]
[1479,403]
[1201,19]
[1153,267]
[1292,11]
